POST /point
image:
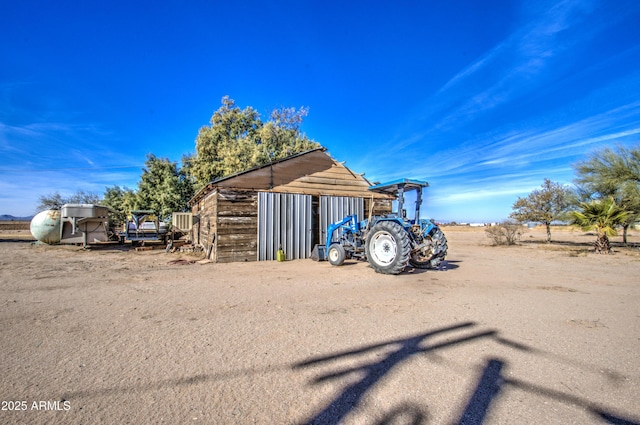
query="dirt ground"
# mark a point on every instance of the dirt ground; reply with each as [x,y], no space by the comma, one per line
[531,334]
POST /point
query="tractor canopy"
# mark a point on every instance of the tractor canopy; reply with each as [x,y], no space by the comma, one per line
[392,187]
[398,188]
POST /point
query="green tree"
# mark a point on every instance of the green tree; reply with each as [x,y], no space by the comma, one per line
[237,140]
[603,216]
[613,173]
[163,187]
[544,205]
[55,201]
[188,161]
[227,146]
[120,202]
[281,136]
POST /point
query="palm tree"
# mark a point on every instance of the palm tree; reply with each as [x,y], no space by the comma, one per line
[613,172]
[603,216]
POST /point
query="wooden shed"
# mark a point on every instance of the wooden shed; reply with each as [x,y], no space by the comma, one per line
[289,203]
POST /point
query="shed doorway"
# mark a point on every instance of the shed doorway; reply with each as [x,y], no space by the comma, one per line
[284,219]
[298,222]
[335,208]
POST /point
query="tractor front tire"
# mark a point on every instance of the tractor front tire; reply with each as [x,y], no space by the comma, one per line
[388,247]
[435,255]
[336,254]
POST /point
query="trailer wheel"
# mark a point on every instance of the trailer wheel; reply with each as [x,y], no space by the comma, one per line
[431,256]
[336,254]
[388,247]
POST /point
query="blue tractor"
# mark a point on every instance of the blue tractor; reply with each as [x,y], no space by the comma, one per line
[392,242]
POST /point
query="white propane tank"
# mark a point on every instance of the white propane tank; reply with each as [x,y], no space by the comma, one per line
[45,226]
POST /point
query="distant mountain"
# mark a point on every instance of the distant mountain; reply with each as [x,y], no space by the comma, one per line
[5,217]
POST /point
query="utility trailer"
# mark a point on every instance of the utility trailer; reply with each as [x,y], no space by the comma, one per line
[83,224]
[143,227]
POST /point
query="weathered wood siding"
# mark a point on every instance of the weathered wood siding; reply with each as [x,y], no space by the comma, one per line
[206,227]
[334,180]
[195,210]
[380,206]
[237,226]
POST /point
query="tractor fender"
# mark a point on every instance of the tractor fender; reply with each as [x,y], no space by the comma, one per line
[396,219]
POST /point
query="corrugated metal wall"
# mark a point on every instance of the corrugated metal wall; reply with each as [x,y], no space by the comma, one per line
[284,218]
[335,208]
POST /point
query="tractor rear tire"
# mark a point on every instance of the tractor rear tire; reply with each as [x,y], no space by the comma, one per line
[336,254]
[435,256]
[388,247]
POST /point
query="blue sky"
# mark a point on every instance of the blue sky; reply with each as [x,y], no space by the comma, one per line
[483,99]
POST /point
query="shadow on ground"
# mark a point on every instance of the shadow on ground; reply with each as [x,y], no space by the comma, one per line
[489,386]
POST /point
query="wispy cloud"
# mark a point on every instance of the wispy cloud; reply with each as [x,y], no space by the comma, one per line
[20,190]
[514,66]
[569,139]
[42,158]
[607,114]
[473,68]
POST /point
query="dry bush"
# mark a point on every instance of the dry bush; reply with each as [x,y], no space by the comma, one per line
[505,233]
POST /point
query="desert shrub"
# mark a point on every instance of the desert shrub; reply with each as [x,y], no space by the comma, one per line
[505,233]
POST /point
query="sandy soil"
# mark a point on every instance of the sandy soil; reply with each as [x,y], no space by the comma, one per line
[530,334]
